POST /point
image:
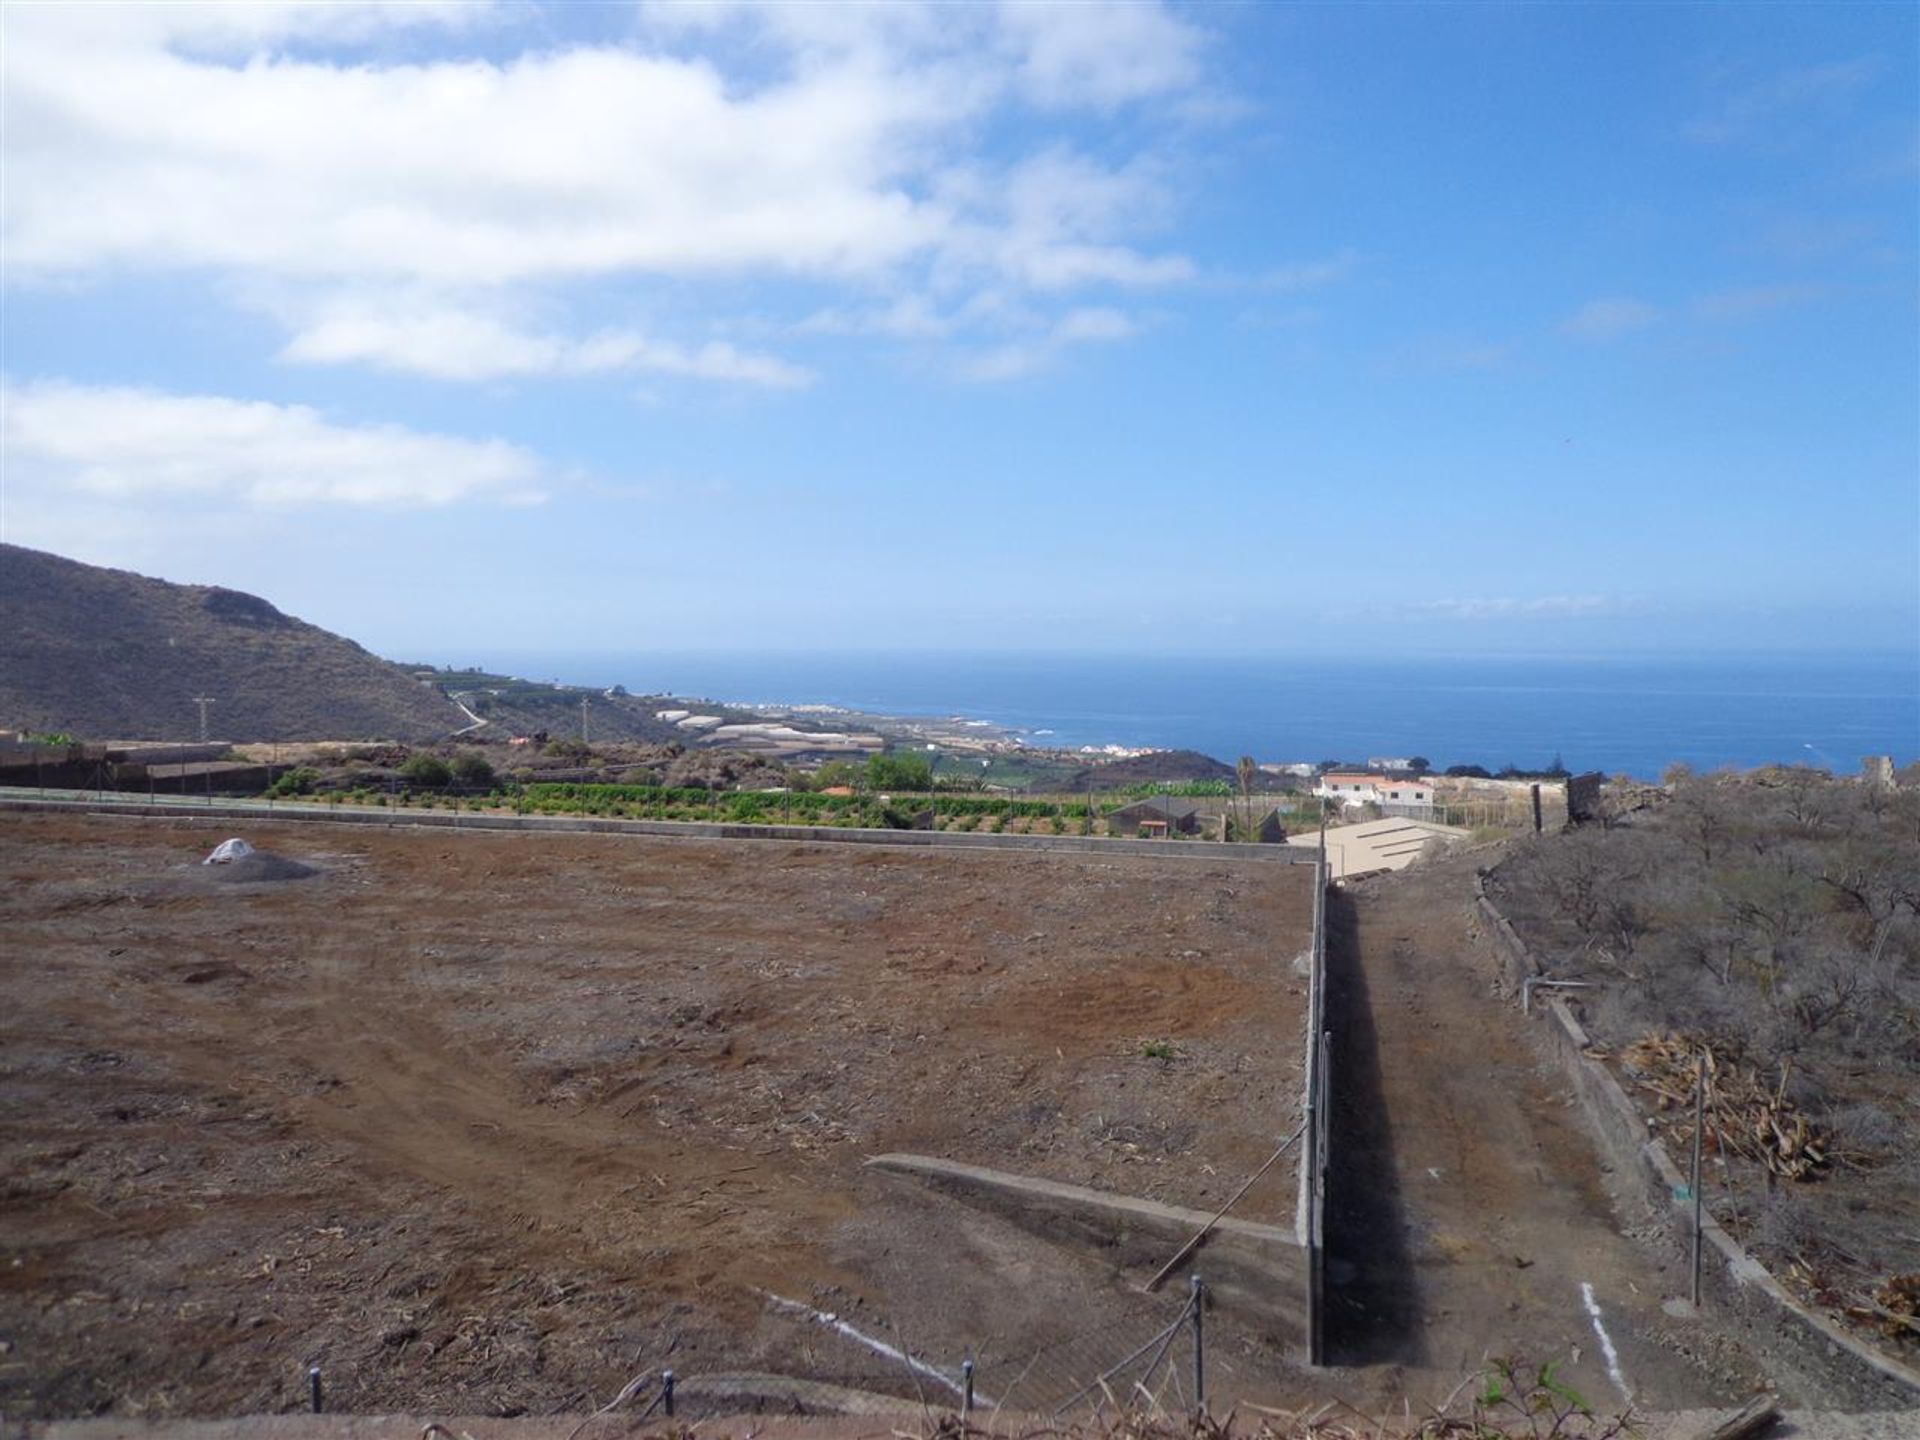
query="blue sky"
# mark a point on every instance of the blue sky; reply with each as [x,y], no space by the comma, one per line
[1111,327]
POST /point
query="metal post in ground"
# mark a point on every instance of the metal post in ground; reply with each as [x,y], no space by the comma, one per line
[966,1387]
[1699,1127]
[313,1387]
[666,1391]
[1199,1345]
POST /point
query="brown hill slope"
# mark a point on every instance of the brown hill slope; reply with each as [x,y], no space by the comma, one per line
[109,654]
[1156,767]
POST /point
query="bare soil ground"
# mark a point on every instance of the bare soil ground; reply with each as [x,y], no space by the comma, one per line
[1470,1213]
[485,1123]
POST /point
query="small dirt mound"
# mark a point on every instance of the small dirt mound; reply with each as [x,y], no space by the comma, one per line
[257,867]
[236,862]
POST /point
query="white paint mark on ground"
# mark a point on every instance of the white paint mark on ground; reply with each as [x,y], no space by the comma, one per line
[1606,1343]
[879,1347]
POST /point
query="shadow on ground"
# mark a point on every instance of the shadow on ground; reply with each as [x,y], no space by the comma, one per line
[1372,1296]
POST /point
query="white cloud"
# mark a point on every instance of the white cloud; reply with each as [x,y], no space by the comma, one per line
[1748,301]
[1034,223]
[1803,237]
[452,344]
[226,28]
[1020,358]
[843,149]
[1097,323]
[1609,319]
[1103,52]
[1450,354]
[1301,275]
[135,446]
[1811,89]
[908,317]
[1511,608]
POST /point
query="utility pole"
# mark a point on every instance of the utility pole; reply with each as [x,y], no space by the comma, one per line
[583,719]
[203,701]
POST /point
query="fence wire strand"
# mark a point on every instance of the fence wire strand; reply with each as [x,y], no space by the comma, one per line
[1138,1364]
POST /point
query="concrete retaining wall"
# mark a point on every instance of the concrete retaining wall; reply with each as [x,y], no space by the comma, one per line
[1735,1287]
[1258,1270]
[1517,963]
[1316,1112]
[682,829]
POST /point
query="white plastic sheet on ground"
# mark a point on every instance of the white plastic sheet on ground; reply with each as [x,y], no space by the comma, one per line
[228,851]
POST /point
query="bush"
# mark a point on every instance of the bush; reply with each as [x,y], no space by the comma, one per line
[834,772]
[427,771]
[297,781]
[1866,1126]
[473,770]
[901,770]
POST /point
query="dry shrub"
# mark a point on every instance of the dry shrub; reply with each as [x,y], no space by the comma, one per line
[1784,1225]
[1865,1127]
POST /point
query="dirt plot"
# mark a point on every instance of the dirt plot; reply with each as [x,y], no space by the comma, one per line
[487,1122]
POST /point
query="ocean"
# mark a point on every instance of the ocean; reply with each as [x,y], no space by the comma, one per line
[1611,713]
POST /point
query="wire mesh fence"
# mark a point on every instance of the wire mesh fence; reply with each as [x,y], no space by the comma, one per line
[1154,1362]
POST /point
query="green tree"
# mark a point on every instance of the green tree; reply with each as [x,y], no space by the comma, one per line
[834,772]
[473,770]
[427,771]
[901,770]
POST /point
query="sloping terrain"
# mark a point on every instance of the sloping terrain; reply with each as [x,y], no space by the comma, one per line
[490,1122]
[1470,1211]
[1769,924]
[104,653]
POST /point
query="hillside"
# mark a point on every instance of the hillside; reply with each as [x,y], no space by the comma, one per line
[1155,767]
[514,706]
[109,654]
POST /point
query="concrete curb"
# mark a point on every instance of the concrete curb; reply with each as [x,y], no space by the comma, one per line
[1622,1131]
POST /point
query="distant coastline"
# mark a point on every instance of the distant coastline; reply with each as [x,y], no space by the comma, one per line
[1632,715]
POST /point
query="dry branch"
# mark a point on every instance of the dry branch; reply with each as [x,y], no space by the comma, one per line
[1745,1116]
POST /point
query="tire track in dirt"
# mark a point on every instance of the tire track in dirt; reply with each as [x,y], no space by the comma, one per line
[581,1185]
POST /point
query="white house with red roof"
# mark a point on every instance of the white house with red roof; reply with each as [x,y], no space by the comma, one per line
[1396,795]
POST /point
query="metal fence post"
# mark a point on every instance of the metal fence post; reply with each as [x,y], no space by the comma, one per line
[1699,1125]
[313,1387]
[1199,1345]
[966,1387]
[666,1391]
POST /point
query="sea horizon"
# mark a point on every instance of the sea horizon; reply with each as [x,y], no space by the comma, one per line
[1631,713]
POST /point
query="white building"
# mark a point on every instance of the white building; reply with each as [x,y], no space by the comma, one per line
[1363,787]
